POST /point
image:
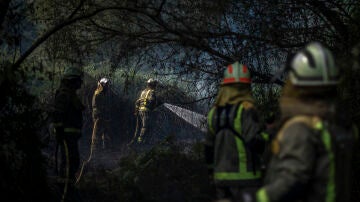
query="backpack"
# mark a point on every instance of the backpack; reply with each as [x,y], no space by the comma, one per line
[234,157]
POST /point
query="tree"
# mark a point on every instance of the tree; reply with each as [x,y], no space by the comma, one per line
[187,41]
[173,33]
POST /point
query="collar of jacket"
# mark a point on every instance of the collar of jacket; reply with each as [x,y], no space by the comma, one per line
[291,107]
[233,94]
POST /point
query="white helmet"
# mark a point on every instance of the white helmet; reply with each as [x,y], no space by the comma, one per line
[104,81]
[313,66]
[151,81]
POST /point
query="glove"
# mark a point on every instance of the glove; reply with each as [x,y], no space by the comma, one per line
[59,134]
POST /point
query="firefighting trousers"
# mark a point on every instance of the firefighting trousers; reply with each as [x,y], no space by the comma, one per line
[73,156]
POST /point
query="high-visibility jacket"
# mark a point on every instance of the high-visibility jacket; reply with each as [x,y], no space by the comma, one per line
[100,105]
[234,144]
[311,162]
[147,100]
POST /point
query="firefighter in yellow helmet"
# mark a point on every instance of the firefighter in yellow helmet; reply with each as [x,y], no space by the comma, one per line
[234,141]
[100,114]
[146,103]
[311,153]
[67,117]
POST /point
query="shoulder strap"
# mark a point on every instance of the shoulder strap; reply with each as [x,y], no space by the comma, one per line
[147,92]
[225,117]
[210,118]
[311,121]
[237,118]
[247,105]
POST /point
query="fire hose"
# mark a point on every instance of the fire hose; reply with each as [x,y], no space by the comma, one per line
[136,131]
[67,171]
[91,151]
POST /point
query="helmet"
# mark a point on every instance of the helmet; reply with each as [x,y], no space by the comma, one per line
[236,73]
[72,72]
[313,66]
[104,81]
[151,81]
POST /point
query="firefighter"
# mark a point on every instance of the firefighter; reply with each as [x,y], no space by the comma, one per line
[100,113]
[311,154]
[234,142]
[144,106]
[67,116]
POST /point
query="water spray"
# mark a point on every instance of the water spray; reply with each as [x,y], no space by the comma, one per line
[195,119]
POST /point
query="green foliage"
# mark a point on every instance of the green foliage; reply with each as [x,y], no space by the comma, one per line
[168,35]
[23,173]
[349,103]
[349,99]
[160,174]
[267,98]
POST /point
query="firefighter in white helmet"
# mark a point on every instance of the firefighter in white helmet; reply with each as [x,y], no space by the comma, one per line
[146,103]
[311,153]
[100,114]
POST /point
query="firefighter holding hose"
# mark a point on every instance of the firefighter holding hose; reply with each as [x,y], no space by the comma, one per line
[144,106]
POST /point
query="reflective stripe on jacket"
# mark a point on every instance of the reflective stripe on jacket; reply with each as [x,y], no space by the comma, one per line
[100,105]
[147,100]
[305,167]
[231,130]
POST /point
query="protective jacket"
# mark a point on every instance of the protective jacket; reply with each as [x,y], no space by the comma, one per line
[147,100]
[100,104]
[311,160]
[233,144]
[68,110]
